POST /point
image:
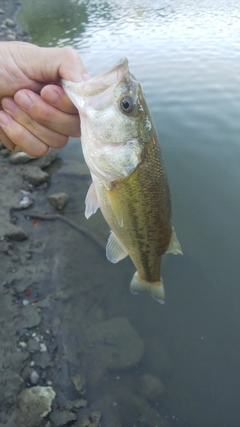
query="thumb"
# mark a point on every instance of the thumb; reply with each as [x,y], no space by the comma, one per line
[52,64]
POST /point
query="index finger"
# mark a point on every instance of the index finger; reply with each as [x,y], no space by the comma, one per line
[55,95]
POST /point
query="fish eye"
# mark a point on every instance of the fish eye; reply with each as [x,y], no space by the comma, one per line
[127,104]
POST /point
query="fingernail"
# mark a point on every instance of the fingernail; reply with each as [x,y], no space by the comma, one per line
[24,100]
[54,97]
[9,105]
[85,76]
[4,118]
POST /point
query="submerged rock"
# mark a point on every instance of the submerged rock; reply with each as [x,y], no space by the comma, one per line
[58,200]
[79,384]
[113,345]
[35,404]
[44,161]
[34,175]
[62,417]
[150,387]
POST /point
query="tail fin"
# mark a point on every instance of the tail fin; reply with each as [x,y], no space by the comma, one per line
[155,289]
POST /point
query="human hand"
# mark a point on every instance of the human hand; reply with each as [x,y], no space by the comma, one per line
[37,115]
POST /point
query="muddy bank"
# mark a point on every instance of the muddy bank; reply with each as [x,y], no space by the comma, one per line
[60,351]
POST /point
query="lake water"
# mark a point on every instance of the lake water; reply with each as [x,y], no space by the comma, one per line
[186,56]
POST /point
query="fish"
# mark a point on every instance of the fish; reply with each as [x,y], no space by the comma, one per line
[129,182]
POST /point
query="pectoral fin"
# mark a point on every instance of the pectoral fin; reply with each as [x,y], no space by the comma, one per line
[174,245]
[114,250]
[91,202]
[115,204]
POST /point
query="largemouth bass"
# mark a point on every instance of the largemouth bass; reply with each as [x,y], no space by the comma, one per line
[129,182]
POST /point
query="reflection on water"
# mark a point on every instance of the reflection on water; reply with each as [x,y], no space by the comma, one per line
[185,54]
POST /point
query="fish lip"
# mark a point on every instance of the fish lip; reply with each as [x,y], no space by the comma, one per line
[98,84]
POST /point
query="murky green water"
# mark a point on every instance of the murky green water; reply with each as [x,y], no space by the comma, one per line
[186,56]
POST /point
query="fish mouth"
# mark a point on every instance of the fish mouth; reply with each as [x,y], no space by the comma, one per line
[99,84]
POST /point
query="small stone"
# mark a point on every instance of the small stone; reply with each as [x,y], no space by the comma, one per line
[15,258]
[58,200]
[79,384]
[25,302]
[43,347]
[47,159]
[95,417]
[1,11]
[42,360]
[22,344]
[79,403]
[14,232]
[85,422]
[34,175]
[62,417]
[31,318]
[35,404]
[20,158]
[11,37]
[5,152]
[9,23]
[33,345]
[32,363]
[44,303]
[34,377]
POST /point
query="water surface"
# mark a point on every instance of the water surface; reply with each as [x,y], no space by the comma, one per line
[186,56]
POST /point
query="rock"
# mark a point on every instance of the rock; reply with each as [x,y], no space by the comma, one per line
[79,403]
[30,318]
[9,23]
[43,360]
[34,377]
[34,175]
[62,417]
[1,11]
[47,159]
[44,303]
[43,347]
[85,422]
[150,387]
[12,231]
[58,200]
[35,404]
[95,418]
[24,203]
[11,37]
[19,158]
[115,343]
[5,152]
[32,345]
[79,384]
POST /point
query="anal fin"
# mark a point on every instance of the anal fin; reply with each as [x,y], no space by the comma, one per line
[115,251]
[174,245]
